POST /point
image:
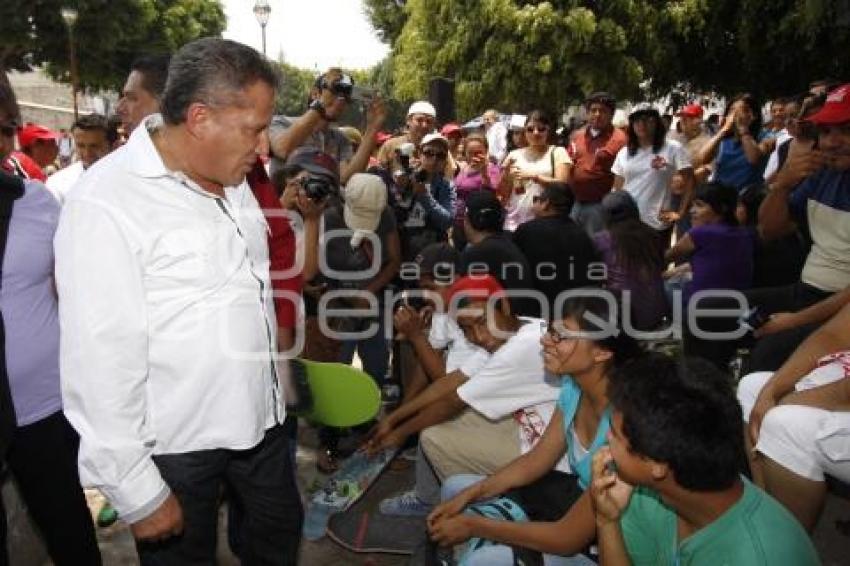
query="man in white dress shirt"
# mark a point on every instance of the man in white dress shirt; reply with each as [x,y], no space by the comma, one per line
[168,335]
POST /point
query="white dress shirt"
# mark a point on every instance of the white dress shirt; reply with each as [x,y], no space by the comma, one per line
[167,321]
[497,141]
[61,182]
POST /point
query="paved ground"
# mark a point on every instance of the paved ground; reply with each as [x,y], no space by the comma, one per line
[117,547]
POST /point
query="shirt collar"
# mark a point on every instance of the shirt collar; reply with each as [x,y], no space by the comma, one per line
[146,161]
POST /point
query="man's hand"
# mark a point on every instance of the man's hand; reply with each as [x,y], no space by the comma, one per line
[334,105]
[408,321]
[803,160]
[452,531]
[608,493]
[309,208]
[419,188]
[379,443]
[376,114]
[162,524]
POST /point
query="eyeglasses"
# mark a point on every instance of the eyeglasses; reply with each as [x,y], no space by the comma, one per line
[538,129]
[538,198]
[557,336]
[435,154]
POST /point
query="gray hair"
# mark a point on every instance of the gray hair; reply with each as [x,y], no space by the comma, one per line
[211,71]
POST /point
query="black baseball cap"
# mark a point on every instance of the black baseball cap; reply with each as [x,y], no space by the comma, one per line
[317,162]
[484,211]
[439,254]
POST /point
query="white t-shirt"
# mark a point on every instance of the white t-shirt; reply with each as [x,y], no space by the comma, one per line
[461,354]
[514,382]
[647,176]
[519,207]
[61,182]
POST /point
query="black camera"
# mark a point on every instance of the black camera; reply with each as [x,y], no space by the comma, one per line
[420,176]
[341,86]
[316,188]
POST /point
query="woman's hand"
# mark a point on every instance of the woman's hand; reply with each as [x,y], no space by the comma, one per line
[453,506]
[777,323]
[449,532]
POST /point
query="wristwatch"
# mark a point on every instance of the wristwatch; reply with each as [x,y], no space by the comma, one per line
[320,108]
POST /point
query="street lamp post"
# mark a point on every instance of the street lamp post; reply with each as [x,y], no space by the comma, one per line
[69,16]
[262,10]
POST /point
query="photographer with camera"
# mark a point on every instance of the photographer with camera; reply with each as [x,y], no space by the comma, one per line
[330,96]
[422,197]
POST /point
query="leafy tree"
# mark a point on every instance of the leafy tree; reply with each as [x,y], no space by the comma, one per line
[108,34]
[520,54]
[387,16]
[295,86]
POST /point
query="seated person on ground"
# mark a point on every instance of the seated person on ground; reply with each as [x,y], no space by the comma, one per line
[633,259]
[479,422]
[799,420]
[491,250]
[667,489]
[438,344]
[719,250]
[554,500]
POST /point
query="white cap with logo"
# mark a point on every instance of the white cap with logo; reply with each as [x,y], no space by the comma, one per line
[422,107]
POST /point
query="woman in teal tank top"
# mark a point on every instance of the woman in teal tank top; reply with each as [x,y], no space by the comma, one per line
[549,481]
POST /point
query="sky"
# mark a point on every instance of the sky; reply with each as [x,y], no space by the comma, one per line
[313,34]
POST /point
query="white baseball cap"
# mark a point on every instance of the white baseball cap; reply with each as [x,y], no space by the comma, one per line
[435,136]
[422,107]
[365,199]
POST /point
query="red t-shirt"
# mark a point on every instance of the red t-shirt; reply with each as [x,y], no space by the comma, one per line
[281,245]
[20,164]
[592,160]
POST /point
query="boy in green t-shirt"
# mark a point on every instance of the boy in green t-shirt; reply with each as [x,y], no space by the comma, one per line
[667,490]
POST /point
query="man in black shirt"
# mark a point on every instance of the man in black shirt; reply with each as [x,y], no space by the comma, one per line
[559,251]
[491,251]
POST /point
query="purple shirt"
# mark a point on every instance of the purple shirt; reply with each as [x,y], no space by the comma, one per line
[469,181]
[722,258]
[28,302]
[648,301]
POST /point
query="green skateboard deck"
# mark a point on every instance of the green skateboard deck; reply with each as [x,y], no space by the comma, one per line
[341,396]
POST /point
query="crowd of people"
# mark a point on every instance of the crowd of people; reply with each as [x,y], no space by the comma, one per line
[513,279]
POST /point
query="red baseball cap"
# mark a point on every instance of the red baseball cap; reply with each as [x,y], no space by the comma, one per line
[31,133]
[691,111]
[475,287]
[449,129]
[836,110]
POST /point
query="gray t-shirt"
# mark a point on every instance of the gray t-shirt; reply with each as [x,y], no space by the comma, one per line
[330,140]
[342,257]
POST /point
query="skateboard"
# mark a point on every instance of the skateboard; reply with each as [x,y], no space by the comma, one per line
[336,395]
[343,489]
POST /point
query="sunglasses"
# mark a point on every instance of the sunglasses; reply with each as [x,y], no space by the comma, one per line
[436,154]
[538,198]
[538,129]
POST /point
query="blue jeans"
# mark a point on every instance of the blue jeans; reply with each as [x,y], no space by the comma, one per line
[374,352]
[498,554]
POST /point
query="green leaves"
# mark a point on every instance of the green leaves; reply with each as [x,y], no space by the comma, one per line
[108,34]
